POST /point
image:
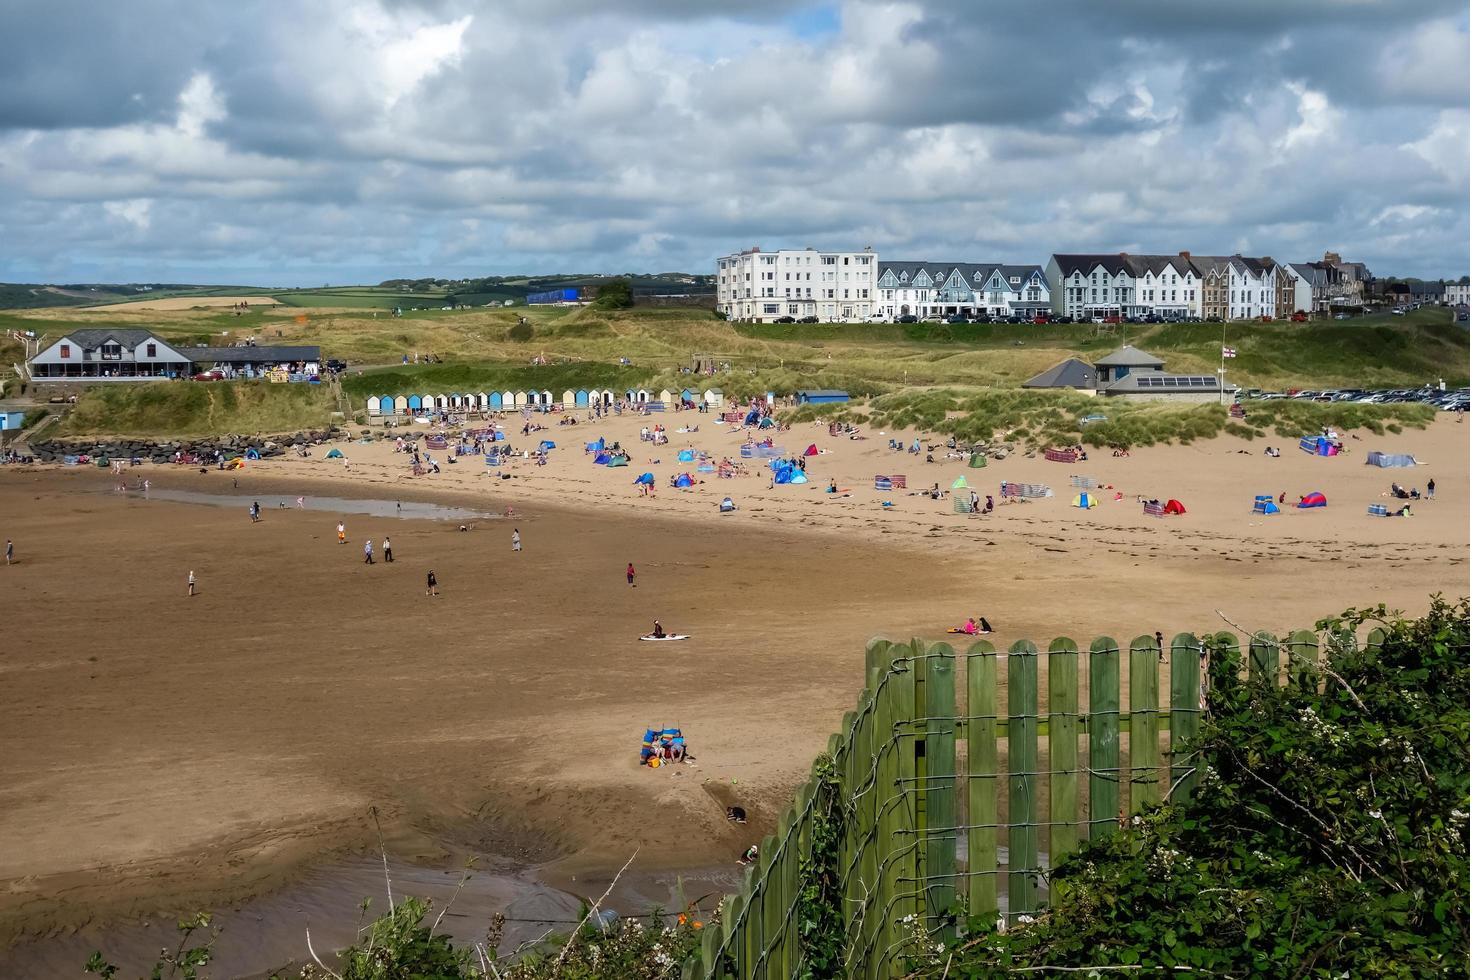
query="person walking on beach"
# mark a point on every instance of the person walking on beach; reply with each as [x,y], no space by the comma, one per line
[255,512]
[300,503]
[632,574]
[387,550]
[10,552]
[1159,640]
[515,540]
[1430,488]
[341,533]
[367,552]
[433,588]
[191,582]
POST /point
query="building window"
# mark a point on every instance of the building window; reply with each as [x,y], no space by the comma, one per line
[771,308]
[65,350]
[152,350]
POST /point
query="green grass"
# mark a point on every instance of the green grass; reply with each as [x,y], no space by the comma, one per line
[434,379]
[179,408]
[1045,418]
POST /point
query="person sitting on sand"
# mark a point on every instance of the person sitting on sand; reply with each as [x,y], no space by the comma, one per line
[1403,511]
[658,630]
[989,503]
[832,486]
[971,627]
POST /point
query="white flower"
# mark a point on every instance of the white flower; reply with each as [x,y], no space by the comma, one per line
[1376,814]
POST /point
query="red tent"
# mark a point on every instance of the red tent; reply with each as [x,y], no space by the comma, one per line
[811,450]
[1174,507]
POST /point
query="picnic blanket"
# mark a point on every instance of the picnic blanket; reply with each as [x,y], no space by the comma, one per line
[1029,490]
[1062,455]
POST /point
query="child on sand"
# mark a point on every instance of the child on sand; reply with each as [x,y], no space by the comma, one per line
[433,586]
[191,581]
[631,575]
[341,533]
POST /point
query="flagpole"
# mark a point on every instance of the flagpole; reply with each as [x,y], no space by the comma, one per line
[1222,361]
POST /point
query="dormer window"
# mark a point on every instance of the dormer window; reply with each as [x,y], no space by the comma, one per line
[1015,280]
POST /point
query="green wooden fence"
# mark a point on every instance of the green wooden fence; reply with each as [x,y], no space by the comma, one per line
[953,805]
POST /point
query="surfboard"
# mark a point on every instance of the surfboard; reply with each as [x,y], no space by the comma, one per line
[660,639]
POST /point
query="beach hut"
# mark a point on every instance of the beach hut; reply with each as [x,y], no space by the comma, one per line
[507,400]
[666,396]
[714,397]
[426,403]
[569,398]
[1312,500]
[495,401]
[1086,501]
[1265,504]
[521,401]
[372,404]
[579,398]
[414,403]
[821,396]
[400,405]
[1389,459]
[546,398]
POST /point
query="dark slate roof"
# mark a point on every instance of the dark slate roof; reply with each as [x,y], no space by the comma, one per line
[251,355]
[973,272]
[1156,264]
[1071,373]
[1128,356]
[1084,264]
[91,338]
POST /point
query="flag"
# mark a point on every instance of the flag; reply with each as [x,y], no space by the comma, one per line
[1227,352]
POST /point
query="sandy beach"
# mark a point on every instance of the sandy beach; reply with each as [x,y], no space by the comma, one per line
[165,752]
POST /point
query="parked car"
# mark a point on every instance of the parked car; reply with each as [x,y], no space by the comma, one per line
[1298,317]
[209,376]
[1041,319]
[1342,316]
[784,319]
[1064,318]
[809,319]
[983,318]
[336,366]
[957,319]
[907,318]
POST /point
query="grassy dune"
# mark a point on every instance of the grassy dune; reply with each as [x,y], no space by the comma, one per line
[188,409]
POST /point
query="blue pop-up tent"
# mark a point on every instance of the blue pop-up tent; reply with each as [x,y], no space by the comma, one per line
[686,455]
[598,446]
[601,459]
[1265,504]
[547,444]
[683,480]
[646,480]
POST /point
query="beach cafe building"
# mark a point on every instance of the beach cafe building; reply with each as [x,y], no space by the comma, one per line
[106,354]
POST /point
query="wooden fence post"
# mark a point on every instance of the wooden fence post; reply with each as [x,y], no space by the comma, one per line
[754,917]
[1025,779]
[1184,712]
[1103,696]
[1062,717]
[733,929]
[1265,658]
[982,784]
[903,882]
[1143,723]
[880,931]
[939,788]
[711,967]
[1302,654]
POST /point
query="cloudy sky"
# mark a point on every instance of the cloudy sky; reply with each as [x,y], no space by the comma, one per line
[308,141]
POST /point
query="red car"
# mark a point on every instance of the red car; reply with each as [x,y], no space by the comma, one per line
[209,376]
[1113,319]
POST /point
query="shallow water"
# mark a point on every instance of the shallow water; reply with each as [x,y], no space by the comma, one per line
[407,509]
[269,932]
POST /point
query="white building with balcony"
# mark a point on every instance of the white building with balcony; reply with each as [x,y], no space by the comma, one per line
[925,289]
[762,287]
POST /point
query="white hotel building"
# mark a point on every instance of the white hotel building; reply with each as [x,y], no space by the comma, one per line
[764,286]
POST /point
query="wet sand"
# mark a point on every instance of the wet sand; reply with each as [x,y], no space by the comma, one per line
[171,753]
